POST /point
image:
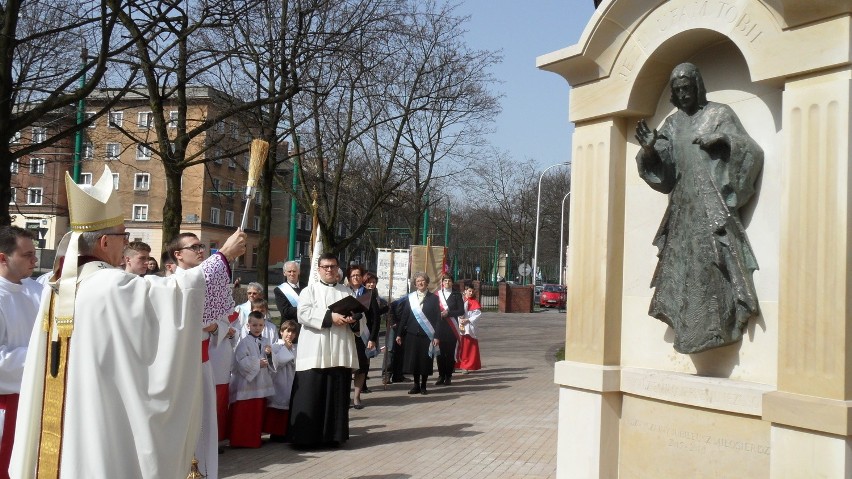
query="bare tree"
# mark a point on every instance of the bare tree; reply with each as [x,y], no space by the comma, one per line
[380,123]
[172,56]
[42,79]
[278,45]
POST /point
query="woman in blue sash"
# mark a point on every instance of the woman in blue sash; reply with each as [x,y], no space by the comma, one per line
[418,316]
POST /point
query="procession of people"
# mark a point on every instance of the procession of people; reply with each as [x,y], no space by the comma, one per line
[107,356]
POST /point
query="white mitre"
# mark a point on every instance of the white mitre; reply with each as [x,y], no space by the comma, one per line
[90,208]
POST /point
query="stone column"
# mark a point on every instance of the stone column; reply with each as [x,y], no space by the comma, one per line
[590,397]
[810,411]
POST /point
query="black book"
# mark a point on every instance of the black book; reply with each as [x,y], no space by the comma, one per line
[350,305]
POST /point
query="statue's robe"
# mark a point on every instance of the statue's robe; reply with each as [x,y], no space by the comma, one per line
[703,281]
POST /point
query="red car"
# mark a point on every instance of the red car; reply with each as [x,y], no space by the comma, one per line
[552,295]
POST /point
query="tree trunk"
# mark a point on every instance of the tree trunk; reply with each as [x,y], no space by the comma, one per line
[173,206]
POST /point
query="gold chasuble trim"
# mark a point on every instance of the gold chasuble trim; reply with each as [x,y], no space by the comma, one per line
[53,407]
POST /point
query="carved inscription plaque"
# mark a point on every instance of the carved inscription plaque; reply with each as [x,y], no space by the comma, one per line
[665,440]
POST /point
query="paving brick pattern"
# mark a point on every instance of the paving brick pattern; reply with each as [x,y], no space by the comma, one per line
[499,422]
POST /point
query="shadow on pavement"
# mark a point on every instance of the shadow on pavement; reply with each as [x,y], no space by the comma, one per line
[361,437]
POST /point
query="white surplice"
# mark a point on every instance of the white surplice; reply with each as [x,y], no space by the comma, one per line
[283,372]
[324,347]
[133,380]
[18,309]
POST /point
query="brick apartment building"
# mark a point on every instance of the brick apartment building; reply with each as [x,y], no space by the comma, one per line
[211,191]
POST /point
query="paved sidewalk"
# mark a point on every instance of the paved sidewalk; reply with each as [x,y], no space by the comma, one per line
[499,422]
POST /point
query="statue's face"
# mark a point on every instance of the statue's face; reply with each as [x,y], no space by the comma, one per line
[685,92]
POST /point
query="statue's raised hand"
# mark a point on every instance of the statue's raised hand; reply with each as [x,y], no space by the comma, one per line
[645,136]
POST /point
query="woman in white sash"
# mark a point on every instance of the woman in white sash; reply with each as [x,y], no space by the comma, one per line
[418,317]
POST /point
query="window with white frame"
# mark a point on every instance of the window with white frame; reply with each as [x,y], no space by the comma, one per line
[140,212]
[142,182]
[216,185]
[298,247]
[89,115]
[85,179]
[115,181]
[13,197]
[116,119]
[39,134]
[256,223]
[88,150]
[229,218]
[143,152]
[113,150]
[230,189]
[145,120]
[16,138]
[13,167]
[214,216]
[173,119]
[37,166]
[34,196]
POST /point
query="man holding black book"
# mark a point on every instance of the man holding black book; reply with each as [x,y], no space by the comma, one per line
[319,407]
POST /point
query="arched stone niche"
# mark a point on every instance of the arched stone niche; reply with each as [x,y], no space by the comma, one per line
[755,406]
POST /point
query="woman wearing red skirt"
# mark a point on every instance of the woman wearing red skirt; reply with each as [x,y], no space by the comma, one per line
[469,347]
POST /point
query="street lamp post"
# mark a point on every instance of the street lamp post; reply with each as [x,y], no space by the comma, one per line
[537,213]
[561,238]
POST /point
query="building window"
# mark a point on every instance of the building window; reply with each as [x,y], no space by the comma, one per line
[173,119]
[12,196]
[214,216]
[39,134]
[257,197]
[88,150]
[145,120]
[34,196]
[115,181]
[16,138]
[229,218]
[143,152]
[298,247]
[246,162]
[37,166]
[142,182]
[116,119]
[140,212]
[112,151]
[232,164]
[220,126]
[254,255]
[256,223]
[89,115]
[216,185]
[13,167]
[85,179]
[231,189]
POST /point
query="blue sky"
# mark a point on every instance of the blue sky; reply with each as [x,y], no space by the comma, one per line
[534,123]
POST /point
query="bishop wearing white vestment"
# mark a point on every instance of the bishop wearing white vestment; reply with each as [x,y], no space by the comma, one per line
[112,379]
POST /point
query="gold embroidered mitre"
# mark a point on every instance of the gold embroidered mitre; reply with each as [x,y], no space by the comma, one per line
[92,208]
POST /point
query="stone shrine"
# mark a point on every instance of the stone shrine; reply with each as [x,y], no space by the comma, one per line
[775,404]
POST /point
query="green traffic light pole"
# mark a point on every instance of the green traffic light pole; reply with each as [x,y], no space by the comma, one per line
[294,205]
[81,117]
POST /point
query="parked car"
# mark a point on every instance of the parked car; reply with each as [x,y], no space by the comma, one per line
[552,296]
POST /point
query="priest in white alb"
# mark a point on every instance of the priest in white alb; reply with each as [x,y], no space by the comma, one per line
[112,381]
